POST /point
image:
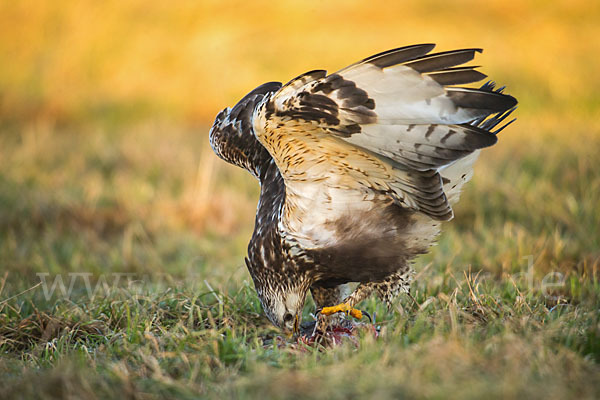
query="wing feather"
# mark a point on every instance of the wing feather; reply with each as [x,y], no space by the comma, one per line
[397,56]
[400,109]
[442,60]
[457,76]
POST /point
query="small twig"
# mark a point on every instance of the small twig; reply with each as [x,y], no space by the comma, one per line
[213,292]
[458,284]
[18,294]
[414,301]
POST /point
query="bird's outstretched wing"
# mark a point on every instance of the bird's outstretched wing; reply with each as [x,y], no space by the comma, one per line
[387,124]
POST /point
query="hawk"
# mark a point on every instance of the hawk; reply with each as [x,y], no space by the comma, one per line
[357,171]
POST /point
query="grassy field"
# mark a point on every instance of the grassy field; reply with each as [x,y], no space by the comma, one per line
[122,236]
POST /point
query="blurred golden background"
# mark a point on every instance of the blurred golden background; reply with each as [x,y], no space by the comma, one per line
[71,60]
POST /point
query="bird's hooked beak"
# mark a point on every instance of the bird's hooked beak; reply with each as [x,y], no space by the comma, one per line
[296,329]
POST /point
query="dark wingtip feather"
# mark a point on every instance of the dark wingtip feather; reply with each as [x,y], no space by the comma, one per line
[501,118]
[442,60]
[399,55]
[484,98]
[489,123]
[488,86]
[457,76]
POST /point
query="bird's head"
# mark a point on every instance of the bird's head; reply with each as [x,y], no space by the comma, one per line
[283,307]
[282,300]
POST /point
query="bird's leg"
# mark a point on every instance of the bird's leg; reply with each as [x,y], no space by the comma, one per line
[395,284]
[388,290]
[347,306]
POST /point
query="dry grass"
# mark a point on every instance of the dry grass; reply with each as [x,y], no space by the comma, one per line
[106,170]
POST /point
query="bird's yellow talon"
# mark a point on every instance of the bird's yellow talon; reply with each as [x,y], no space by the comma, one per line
[356,313]
[335,309]
[343,307]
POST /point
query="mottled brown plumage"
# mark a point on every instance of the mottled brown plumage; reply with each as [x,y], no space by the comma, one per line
[357,171]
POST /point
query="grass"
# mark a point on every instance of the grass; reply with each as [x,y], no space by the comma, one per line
[147,229]
[184,320]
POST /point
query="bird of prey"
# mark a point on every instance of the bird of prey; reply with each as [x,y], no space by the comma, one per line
[357,170]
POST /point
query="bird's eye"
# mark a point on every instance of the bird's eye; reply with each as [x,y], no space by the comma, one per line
[287,317]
